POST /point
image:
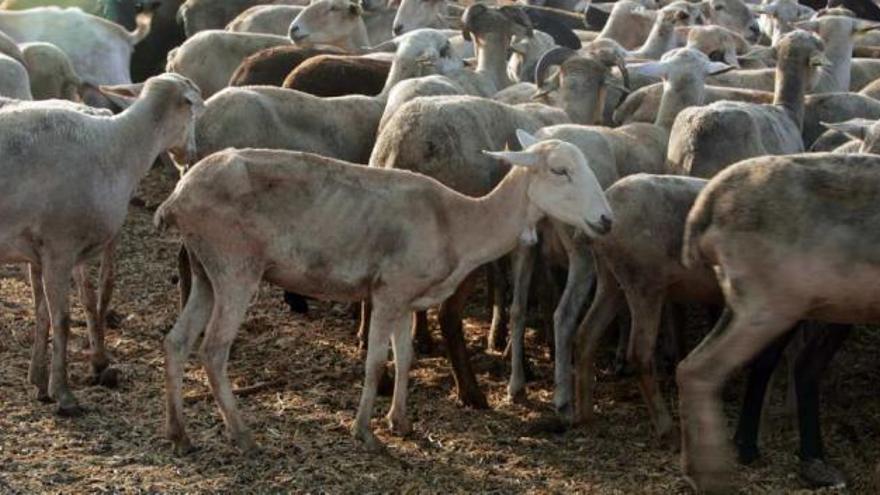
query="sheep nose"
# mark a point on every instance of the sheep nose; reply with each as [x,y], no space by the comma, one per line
[606,224]
[397,29]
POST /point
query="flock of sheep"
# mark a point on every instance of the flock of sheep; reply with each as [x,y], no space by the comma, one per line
[364,152]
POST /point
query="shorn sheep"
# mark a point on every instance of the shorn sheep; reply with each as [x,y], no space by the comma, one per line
[57,214]
[423,240]
[789,238]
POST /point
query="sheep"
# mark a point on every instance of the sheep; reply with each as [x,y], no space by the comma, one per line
[525,53]
[418,14]
[209,58]
[14,80]
[614,153]
[439,240]
[265,19]
[77,214]
[629,24]
[341,23]
[701,143]
[558,24]
[51,73]
[662,37]
[335,75]
[418,137]
[320,125]
[203,15]
[719,43]
[864,135]
[100,50]
[270,66]
[639,264]
[758,224]
[779,16]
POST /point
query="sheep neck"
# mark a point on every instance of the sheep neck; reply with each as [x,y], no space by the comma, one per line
[660,40]
[356,40]
[792,77]
[486,228]
[140,134]
[584,107]
[491,50]
[686,91]
[836,77]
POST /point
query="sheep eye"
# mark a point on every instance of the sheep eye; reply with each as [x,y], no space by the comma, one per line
[719,7]
[444,52]
[559,171]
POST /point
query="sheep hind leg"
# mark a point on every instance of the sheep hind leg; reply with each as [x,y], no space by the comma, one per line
[233,290]
[706,456]
[57,271]
[523,266]
[469,392]
[38,373]
[760,372]
[646,307]
[809,366]
[97,350]
[178,345]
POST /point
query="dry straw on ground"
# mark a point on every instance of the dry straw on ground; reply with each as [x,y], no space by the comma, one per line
[306,373]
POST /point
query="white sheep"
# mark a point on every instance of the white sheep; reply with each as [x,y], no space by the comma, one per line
[422,240]
[83,199]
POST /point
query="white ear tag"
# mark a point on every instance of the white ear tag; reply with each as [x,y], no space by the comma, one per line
[529,236]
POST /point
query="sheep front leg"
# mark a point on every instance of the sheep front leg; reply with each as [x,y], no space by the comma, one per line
[450,325]
[38,373]
[498,331]
[382,324]
[56,283]
[577,289]
[523,267]
[178,345]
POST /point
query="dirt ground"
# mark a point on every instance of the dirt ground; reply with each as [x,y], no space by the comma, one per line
[314,372]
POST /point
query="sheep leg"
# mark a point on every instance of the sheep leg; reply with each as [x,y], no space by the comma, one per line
[606,304]
[185,276]
[523,267]
[761,370]
[422,332]
[108,282]
[809,366]
[498,332]
[56,283]
[577,288]
[364,327]
[706,456]
[233,290]
[38,373]
[401,345]
[382,325]
[646,308]
[178,345]
[469,392]
[97,351]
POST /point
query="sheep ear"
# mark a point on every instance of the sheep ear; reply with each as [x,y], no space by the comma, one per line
[385,46]
[862,26]
[123,95]
[521,158]
[525,139]
[805,12]
[854,128]
[768,9]
[603,7]
[807,25]
[649,69]
[715,68]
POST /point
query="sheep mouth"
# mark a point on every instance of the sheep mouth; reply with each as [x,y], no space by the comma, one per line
[298,37]
[599,229]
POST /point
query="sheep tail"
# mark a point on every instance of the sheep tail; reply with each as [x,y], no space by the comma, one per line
[698,222]
[144,23]
[164,219]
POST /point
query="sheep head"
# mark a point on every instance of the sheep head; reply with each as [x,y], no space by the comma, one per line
[325,22]
[561,184]
[479,21]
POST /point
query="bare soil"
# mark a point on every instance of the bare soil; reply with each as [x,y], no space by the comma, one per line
[308,372]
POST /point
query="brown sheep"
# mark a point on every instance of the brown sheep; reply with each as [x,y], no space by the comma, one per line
[272,65]
[339,75]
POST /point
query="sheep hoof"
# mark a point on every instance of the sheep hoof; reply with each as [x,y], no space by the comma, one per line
[518,397]
[69,410]
[108,378]
[818,474]
[670,440]
[747,454]
[400,426]
[43,395]
[245,444]
[183,447]
[710,475]
[367,439]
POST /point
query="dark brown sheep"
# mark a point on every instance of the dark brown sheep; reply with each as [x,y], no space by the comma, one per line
[272,65]
[339,75]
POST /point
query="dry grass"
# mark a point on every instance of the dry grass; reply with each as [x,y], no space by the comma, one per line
[303,424]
